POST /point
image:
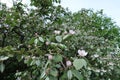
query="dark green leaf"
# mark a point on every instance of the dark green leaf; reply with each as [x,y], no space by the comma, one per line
[77,74]
[31,41]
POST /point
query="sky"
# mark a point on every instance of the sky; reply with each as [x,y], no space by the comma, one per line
[110,7]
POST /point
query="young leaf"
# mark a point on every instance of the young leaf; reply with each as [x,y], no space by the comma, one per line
[54,44]
[62,46]
[66,37]
[37,62]
[58,38]
[58,58]
[41,39]
[2,67]
[36,41]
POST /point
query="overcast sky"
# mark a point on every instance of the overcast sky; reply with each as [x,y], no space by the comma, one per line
[111,7]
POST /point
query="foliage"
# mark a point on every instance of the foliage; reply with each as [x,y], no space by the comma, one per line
[48,42]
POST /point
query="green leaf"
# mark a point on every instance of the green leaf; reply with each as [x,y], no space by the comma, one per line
[33,62]
[54,44]
[54,72]
[58,38]
[77,74]
[2,67]
[42,75]
[64,76]
[22,50]
[47,78]
[31,41]
[66,37]
[79,63]
[37,62]
[36,41]
[69,74]
[19,57]
[58,58]
[41,39]
[62,46]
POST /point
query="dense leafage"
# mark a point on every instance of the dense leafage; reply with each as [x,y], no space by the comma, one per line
[48,42]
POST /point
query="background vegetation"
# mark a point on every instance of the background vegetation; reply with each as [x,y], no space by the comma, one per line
[48,42]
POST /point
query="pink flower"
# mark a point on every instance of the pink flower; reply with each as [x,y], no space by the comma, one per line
[71,32]
[82,53]
[68,63]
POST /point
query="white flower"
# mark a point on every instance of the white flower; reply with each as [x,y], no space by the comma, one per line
[57,32]
[82,53]
[68,63]
[71,32]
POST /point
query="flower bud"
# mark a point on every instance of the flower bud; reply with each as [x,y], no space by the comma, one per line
[50,57]
[29,46]
[36,34]
[68,63]
[47,43]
